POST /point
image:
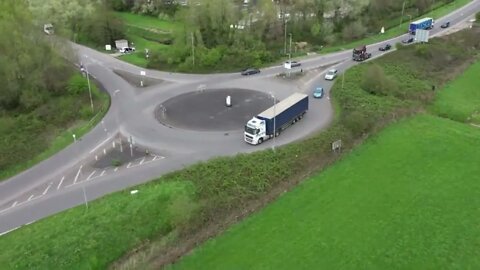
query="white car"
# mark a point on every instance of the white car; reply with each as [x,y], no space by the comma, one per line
[331,74]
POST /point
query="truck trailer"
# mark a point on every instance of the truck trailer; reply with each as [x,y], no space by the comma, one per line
[422,24]
[272,121]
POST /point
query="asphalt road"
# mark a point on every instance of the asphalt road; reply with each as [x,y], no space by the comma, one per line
[68,179]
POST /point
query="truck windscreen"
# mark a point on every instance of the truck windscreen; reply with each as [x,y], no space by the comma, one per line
[250,130]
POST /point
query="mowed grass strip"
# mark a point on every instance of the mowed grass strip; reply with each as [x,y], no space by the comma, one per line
[407,199]
[100,234]
[460,99]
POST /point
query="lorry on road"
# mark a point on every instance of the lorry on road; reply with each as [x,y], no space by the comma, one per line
[360,53]
[422,24]
[275,119]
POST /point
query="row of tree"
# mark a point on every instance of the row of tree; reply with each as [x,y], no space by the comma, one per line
[30,70]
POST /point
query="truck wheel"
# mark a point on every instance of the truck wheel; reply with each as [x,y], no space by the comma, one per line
[260,141]
[277,133]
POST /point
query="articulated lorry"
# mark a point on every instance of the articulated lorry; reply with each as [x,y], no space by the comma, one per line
[280,116]
[422,24]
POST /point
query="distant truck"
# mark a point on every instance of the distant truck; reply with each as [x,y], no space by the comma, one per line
[360,54]
[272,121]
[422,24]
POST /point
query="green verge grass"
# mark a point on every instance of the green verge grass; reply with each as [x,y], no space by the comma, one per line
[147,32]
[460,100]
[210,192]
[28,139]
[407,199]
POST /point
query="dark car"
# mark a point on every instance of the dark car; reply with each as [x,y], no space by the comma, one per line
[385,47]
[445,25]
[408,40]
[250,71]
[293,63]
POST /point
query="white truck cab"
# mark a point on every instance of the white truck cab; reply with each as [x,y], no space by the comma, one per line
[255,131]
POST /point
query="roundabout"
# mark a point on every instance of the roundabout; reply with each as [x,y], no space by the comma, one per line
[207,110]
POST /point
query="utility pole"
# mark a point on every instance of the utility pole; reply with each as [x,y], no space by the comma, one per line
[193,49]
[285,45]
[403,10]
[290,54]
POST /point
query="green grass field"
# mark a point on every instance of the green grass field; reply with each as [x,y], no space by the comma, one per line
[148,22]
[407,199]
[460,100]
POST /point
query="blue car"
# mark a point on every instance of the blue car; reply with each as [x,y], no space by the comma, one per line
[318,92]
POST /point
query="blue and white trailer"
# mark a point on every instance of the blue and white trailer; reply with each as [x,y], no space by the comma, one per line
[422,24]
[272,121]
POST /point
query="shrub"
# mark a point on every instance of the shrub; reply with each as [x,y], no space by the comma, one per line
[376,82]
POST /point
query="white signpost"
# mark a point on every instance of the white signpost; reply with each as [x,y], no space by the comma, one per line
[142,73]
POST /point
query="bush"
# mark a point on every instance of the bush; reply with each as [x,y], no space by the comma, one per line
[376,82]
[77,85]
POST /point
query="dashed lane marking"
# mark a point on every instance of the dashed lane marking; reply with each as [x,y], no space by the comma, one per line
[129,164]
[15,203]
[78,173]
[46,190]
[116,169]
[60,184]
[102,173]
[30,198]
[141,162]
[90,176]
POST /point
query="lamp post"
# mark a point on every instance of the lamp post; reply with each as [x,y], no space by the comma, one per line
[88,82]
[274,121]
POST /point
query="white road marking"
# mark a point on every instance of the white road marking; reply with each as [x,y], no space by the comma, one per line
[78,173]
[88,178]
[46,190]
[61,181]
[102,173]
[129,164]
[5,232]
[30,198]
[116,169]
[141,162]
[15,203]
[102,143]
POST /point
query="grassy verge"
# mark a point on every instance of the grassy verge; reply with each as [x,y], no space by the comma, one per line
[152,228]
[406,199]
[44,132]
[460,100]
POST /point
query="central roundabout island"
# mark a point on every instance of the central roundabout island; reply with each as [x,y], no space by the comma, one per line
[207,110]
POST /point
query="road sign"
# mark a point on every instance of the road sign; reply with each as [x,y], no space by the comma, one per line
[422,35]
[143,73]
[287,65]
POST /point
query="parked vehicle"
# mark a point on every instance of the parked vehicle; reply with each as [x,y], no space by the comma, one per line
[250,71]
[127,49]
[385,47]
[274,120]
[423,24]
[293,64]
[331,74]
[408,40]
[445,25]
[318,92]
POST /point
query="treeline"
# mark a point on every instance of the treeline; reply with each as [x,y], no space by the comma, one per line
[228,34]
[90,22]
[30,70]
